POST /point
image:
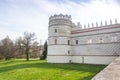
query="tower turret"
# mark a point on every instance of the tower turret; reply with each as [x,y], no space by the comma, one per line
[59,41]
[59,25]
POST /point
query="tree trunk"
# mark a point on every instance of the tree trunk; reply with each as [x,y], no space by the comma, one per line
[6,58]
[27,54]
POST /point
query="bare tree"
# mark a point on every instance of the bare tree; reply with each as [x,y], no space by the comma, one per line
[27,42]
[20,50]
[1,56]
[7,48]
[35,50]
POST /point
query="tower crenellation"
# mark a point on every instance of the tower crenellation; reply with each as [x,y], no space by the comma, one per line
[60,20]
[60,16]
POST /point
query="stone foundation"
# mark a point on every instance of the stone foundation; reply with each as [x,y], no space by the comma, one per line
[81,59]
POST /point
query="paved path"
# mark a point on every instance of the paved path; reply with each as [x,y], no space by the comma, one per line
[111,72]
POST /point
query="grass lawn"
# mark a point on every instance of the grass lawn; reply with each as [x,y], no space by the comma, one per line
[40,70]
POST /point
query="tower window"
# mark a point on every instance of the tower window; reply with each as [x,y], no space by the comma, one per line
[68,42]
[55,41]
[76,41]
[68,51]
[55,30]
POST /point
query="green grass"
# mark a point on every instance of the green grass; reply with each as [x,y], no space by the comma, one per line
[40,70]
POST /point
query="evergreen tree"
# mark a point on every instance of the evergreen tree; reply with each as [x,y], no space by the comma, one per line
[44,55]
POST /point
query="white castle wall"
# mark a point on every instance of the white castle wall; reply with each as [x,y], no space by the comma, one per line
[95,52]
[60,40]
[99,59]
[62,30]
[58,50]
[81,59]
[58,59]
[77,59]
[93,59]
[97,49]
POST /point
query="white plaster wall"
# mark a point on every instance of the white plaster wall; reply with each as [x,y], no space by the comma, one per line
[60,40]
[58,50]
[99,59]
[97,31]
[62,30]
[81,59]
[76,59]
[95,38]
[97,49]
[58,59]
[59,53]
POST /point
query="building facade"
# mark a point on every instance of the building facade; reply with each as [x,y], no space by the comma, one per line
[70,43]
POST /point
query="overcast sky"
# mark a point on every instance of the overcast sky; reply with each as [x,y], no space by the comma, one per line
[18,16]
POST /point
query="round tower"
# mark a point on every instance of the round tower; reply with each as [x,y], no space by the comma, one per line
[59,41]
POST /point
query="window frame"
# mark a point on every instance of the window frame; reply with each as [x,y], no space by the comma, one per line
[55,41]
[68,42]
[55,30]
[76,42]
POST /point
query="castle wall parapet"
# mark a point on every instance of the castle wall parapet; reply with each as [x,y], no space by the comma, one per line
[60,20]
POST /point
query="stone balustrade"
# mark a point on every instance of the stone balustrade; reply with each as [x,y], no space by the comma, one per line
[111,72]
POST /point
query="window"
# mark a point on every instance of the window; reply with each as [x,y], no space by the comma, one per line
[55,30]
[100,40]
[55,41]
[70,61]
[68,42]
[76,41]
[68,51]
[114,39]
[89,41]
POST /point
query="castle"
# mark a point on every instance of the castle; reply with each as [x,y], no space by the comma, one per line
[70,43]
